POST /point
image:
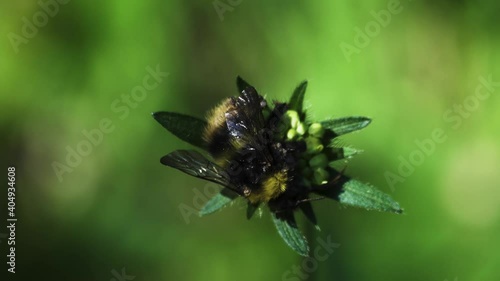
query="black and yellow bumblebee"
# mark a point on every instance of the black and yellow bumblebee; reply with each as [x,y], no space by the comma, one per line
[245,138]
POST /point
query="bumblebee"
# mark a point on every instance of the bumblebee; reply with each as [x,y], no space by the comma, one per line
[271,154]
[245,139]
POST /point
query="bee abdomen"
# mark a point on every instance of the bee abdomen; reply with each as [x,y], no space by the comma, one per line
[216,134]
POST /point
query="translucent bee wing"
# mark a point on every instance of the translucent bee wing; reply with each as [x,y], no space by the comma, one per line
[196,165]
[237,128]
[246,120]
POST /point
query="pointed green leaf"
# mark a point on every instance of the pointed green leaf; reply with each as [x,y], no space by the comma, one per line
[241,84]
[251,208]
[339,153]
[187,128]
[358,194]
[349,152]
[220,200]
[287,229]
[346,125]
[297,100]
[308,211]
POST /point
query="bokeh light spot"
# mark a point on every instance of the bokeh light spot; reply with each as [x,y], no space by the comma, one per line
[471,191]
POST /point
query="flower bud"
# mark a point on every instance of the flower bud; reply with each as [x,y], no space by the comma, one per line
[314,145]
[301,130]
[294,118]
[316,130]
[291,134]
[321,176]
[318,161]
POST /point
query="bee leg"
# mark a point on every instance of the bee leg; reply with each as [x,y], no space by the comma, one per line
[246,191]
[297,203]
[308,200]
[339,176]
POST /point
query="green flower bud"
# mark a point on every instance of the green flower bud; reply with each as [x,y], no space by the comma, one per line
[294,118]
[316,130]
[318,161]
[291,134]
[301,130]
[314,145]
[321,176]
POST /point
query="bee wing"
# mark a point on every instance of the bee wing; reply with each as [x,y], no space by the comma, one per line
[247,127]
[195,164]
[246,120]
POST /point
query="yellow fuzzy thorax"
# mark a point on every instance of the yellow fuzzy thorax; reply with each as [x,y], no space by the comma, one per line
[271,188]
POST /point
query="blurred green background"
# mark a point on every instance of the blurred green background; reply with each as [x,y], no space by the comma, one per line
[119,208]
